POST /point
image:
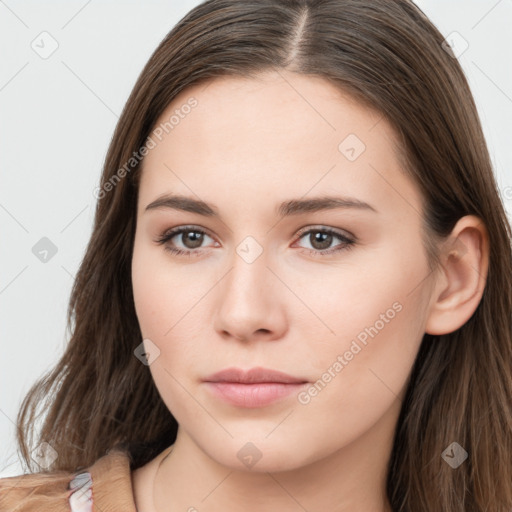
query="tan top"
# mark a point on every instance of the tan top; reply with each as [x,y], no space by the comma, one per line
[106,486]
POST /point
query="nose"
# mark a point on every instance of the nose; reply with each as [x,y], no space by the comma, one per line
[250,301]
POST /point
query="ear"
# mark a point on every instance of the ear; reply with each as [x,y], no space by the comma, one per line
[461,279]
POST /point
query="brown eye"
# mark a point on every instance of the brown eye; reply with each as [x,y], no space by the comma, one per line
[321,240]
[183,241]
[191,239]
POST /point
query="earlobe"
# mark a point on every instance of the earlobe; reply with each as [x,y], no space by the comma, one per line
[462,276]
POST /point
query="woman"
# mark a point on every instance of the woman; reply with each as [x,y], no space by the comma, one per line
[297,293]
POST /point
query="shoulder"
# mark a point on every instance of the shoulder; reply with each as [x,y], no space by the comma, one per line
[107,483]
[29,492]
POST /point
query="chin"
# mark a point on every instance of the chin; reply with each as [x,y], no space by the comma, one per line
[261,456]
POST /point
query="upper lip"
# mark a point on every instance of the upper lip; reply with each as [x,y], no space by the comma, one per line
[253,375]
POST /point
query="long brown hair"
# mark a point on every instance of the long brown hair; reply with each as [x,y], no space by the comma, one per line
[390,57]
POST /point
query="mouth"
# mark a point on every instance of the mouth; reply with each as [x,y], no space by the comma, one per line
[256,387]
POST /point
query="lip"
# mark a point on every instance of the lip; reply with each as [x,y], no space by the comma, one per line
[256,387]
[253,375]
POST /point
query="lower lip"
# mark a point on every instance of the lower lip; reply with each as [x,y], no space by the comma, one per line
[253,395]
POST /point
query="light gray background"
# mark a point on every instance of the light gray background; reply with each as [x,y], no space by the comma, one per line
[58,115]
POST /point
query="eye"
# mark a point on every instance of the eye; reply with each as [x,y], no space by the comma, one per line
[191,237]
[322,238]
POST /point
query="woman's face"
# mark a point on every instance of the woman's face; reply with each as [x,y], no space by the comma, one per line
[335,294]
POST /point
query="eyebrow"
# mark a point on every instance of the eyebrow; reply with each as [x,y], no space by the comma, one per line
[287,208]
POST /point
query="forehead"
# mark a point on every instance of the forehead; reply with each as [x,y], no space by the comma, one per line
[263,106]
[280,133]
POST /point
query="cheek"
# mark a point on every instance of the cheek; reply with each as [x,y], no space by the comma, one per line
[156,308]
[166,307]
[145,288]
[161,293]
[359,303]
[378,324]
[358,382]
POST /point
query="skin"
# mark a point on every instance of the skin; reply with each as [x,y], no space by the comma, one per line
[247,146]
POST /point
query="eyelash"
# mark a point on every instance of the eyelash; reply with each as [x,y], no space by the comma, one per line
[168,235]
